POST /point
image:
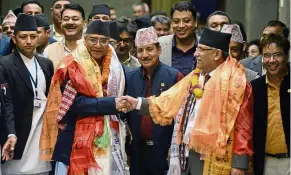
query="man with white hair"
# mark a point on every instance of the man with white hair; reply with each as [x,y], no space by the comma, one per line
[8,23]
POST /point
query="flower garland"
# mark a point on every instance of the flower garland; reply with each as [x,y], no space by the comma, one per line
[197,89]
[106,66]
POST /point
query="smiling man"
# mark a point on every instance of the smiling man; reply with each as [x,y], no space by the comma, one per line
[73,17]
[178,49]
[272,109]
[57,7]
[148,152]
[212,134]
[92,139]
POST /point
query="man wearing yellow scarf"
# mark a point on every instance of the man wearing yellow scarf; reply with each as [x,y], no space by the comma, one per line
[88,138]
[212,110]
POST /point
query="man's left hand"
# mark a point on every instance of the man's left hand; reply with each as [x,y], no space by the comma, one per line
[236,171]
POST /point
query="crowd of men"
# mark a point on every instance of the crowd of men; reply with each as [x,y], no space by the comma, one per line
[101,94]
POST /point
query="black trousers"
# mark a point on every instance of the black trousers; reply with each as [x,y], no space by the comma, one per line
[147,162]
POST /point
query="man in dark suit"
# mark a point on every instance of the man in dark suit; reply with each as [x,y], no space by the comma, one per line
[276,27]
[272,109]
[148,150]
[28,77]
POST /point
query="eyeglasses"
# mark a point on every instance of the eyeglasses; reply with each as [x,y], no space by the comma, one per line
[102,41]
[125,40]
[200,49]
[275,56]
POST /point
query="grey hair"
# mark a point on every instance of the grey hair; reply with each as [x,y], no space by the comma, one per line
[161,19]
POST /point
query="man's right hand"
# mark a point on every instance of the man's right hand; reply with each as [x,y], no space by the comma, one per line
[132,101]
[8,148]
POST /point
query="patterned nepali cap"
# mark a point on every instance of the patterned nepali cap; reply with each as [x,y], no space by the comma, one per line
[234,30]
[146,36]
[9,18]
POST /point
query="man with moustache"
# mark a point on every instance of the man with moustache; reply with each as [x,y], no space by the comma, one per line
[178,49]
[8,23]
[127,32]
[148,151]
[213,112]
[272,109]
[73,21]
[28,77]
[83,133]
[56,9]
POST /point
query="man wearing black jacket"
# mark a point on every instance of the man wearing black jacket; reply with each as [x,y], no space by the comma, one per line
[272,109]
[28,77]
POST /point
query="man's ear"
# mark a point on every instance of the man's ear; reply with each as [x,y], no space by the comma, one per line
[244,46]
[13,37]
[218,54]
[48,32]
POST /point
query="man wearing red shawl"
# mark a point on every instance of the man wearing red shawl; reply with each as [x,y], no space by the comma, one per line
[212,108]
[91,138]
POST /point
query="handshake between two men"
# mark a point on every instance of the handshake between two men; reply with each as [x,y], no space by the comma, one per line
[126,103]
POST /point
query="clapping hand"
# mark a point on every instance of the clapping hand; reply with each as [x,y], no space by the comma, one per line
[8,148]
[126,103]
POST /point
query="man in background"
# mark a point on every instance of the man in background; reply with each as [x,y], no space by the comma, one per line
[112,14]
[138,9]
[32,7]
[8,23]
[127,32]
[56,9]
[162,25]
[274,26]
[44,32]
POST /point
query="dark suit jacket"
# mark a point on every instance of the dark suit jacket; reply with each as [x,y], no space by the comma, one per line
[161,135]
[261,118]
[253,64]
[22,96]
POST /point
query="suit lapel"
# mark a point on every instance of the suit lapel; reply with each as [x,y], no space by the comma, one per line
[22,70]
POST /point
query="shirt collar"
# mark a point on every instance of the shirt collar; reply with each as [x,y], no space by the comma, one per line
[55,33]
[24,58]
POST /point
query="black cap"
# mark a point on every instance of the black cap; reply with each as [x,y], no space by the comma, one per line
[100,9]
[114,31]
[17,11]
[41,20]
[25,22]
[215,39]
[143,22]
[98,27]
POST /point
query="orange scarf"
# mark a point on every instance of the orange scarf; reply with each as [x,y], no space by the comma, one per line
[220,104]
[82,82]
[222,97]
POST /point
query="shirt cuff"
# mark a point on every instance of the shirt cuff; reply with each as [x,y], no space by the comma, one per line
[240,161]
[11,135]
[139,103]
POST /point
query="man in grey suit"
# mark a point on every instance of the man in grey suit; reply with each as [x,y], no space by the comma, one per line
[178,49]
[276,27]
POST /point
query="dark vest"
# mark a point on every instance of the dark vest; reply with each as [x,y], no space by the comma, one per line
[162,79]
